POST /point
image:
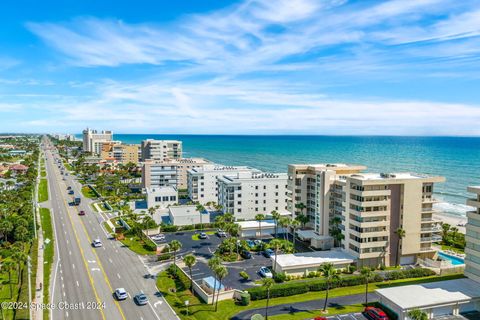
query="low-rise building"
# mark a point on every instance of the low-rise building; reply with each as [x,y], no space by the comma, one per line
[255,229]
[246,194]
[187,215]
[161,197]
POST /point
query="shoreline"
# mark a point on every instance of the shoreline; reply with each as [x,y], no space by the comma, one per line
[453,220]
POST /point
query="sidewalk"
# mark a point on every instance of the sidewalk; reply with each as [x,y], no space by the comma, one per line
[306,306]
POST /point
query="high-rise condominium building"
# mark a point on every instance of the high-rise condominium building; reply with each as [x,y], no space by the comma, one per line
[375,205]
[246,194]
[123,153]
[161,150]
[93,140]
[153,170]
[202,181]
[472,237]
[310,188]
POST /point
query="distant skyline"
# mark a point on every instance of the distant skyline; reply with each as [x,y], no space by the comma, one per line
[309,67]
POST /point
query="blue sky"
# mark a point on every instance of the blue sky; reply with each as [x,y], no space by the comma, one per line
[241,67]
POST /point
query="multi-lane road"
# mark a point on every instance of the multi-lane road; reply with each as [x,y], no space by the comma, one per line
[84,277]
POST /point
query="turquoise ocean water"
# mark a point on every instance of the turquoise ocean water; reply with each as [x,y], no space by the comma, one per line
[458,159]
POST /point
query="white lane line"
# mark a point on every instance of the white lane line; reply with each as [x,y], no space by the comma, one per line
[78,284]
[151,307]
[110,260]
[63,285]
[70,252]
[64,294]
[67,241]
[73,266]
[128,293]
[118,275]
[66,313]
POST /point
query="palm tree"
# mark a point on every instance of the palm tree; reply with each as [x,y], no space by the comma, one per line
[221,272]
[19,257]
[454,231]
[275,216]
[335,231]
[445,230]
[220,222]
[294,224]
[303,219]
[301,206]
[417,314]
[190,261]
[330,274]
[213,264]
[201,210]
[275,244]
[368,274]
[9,266]
[259,217]
[267,283]
[401,234]
[151,211]
[175,245]
[284,223]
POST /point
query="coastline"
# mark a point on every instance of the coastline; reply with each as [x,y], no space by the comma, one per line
[453,220]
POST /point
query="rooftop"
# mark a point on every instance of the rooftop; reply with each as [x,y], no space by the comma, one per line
[393,176]
[161,190]
[254,224]
[314,258]
[182,211]
[434,293]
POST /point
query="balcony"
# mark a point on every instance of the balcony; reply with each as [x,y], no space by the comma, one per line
[427,249]
[430,239]
[430,229]
[429,200]
[473,202]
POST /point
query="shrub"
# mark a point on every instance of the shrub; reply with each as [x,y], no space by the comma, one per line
[244,275]
[163,257]
[182,282]
[244,298]
[168,228]
[280,277]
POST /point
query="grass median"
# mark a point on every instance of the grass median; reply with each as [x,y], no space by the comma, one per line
[88,192]
[43,190]
[228,308]
[47,227]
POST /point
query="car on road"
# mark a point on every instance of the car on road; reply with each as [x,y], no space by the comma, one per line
[375,313]
[268,253]
[158,237]
[265,272]
[69,188]
[121,294]
[221,233]
[141,299]
[246,254]
[71,192]
[96,243]
[203,235]
[81,213]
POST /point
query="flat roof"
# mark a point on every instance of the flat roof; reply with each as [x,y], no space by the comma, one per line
[315,258]
[254,224]
[310,234]
[161,190]
[180,211]
[430,294]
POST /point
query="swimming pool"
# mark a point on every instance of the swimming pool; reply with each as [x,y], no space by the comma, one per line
[454,260]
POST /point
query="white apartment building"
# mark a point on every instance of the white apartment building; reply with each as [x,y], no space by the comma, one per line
[161,150]
[159,175]
[202,181]
[374,205]
[312,186]
[161,197]
[246,194]
[93,140]
[167,167]
[472,236]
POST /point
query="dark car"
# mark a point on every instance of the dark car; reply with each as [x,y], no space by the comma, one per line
[141,299]
[375,313]
[81,213]
[71,192]
[268,253]
[246,254]
[69,188]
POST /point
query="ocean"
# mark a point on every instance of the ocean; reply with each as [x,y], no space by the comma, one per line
[456,158]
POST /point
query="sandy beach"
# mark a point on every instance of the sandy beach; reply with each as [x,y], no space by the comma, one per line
[453,220]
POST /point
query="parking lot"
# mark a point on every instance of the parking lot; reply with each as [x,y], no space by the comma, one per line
[204,249]
[350,316]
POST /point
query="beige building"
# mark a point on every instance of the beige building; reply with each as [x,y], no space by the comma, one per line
[161,150]
[123,153]
[472,237]
[311,185]
[93,140]
[153,170]
[375,205]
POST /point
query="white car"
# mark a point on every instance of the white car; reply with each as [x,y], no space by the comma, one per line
[158,237]
[221,233]
[121,294]
[96,243]
[265,272]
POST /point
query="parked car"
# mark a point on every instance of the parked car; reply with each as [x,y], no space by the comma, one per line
[375,313]
[250,243]
[221,233]
[96,243]
[141,299]
[158,237]
[268,253]
[203,235]
[121,294]
[320,318]
[81,213]
[246,254]
[258,242]
[265,272]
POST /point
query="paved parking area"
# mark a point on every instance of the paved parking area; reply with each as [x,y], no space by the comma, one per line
[466,316]
[350,316]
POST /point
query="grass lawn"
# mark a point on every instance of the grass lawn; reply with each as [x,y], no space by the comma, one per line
[137,245]
[43,190]
[67,166]
[87,192]
[43,173]
[457,250]
[196,236]
[228,308]
[315,313]
[46,220]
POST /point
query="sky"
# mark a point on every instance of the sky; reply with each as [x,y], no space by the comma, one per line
[333,67]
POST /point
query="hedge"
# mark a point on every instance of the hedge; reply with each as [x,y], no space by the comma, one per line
[299,287]
[182,282]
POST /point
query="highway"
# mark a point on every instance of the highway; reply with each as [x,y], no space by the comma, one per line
[88,275]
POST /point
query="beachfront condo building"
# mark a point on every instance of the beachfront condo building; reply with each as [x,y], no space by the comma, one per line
[93,140]
[246,194]
[373,206]
[310,187]
[161,150]
[122,153]
[161,171]
[202,182]
[472,236]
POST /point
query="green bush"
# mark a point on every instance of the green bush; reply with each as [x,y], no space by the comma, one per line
[280,277]
[244,275]
[168,228]
[244,298]
[181,280]
[165,256]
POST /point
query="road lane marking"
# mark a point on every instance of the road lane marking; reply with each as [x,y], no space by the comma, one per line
[78,284]
[154,312]
[118,275]
[73,265]
[110,260]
